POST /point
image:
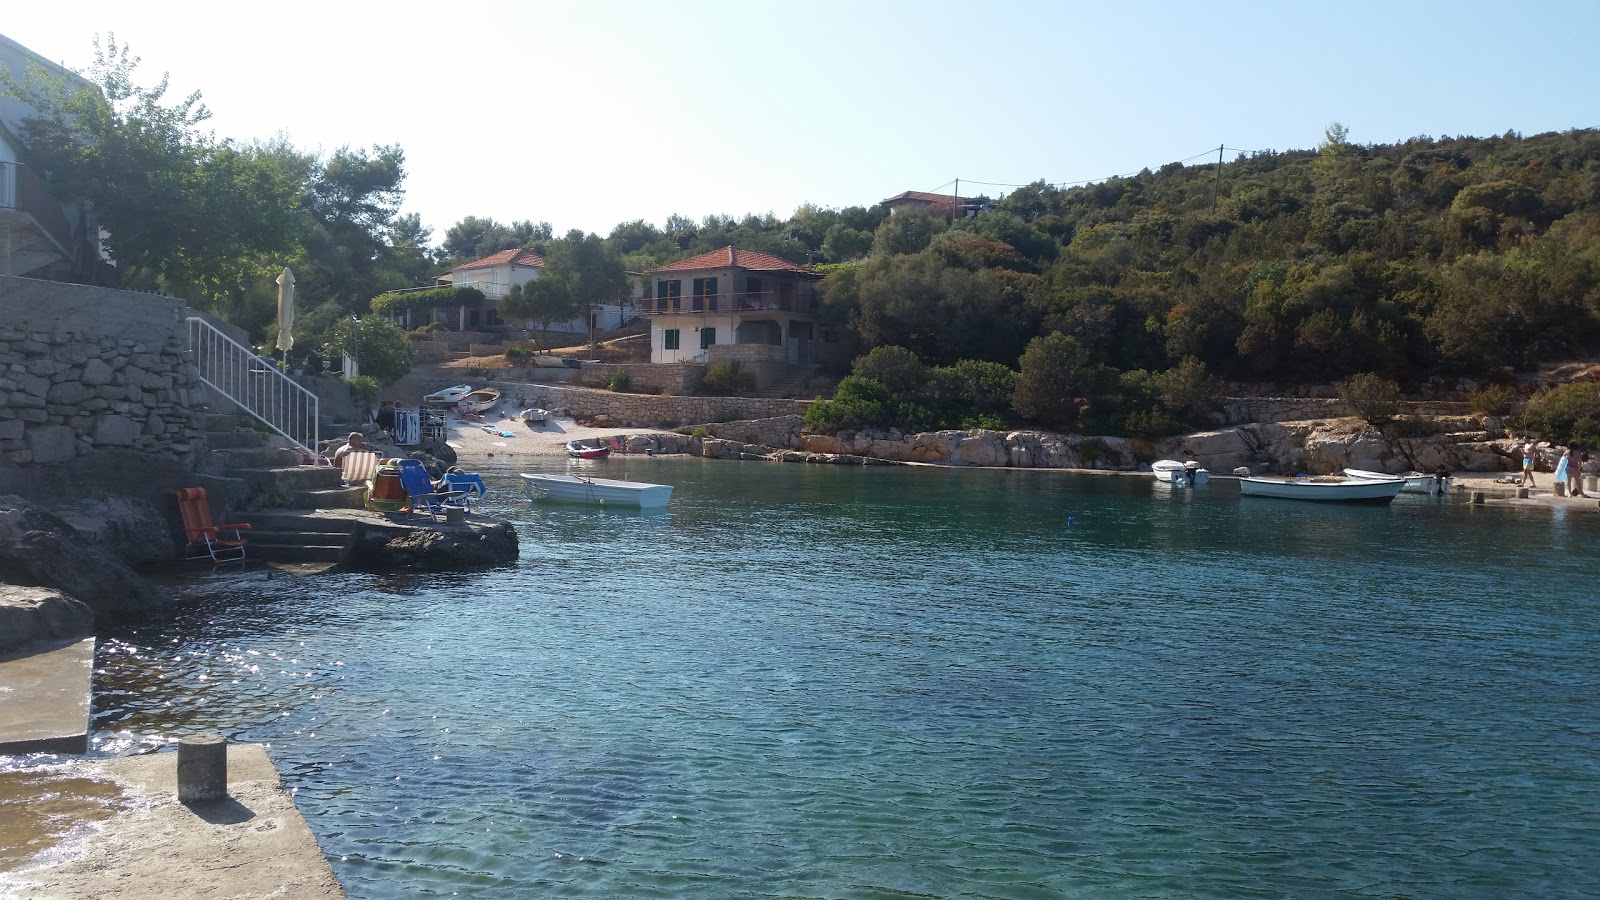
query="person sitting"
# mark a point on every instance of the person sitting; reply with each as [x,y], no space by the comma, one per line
[353,442]
[385,417]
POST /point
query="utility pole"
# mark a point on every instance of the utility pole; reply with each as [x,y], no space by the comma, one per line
[1218,188]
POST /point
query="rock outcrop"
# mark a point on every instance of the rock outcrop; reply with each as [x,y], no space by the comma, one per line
[41,549]
[34,614]
[440,547]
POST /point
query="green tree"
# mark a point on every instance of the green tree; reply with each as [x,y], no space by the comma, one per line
[907,231]
[382,350]
[1373,397]
[1566,414]
[843,243]
[544,300]
[896,368]
[587,269]
[1055,371]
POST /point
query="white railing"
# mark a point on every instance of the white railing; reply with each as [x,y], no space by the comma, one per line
[255,384]
[8,185]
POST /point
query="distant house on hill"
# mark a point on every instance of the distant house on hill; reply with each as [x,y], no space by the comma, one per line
[40,236]
[945,206]
[737,305]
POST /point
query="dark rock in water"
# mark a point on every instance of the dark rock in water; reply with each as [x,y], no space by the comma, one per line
[29,614]
[435,546]
[39,548]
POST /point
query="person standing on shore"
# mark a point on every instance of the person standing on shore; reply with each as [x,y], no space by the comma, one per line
[1561,472]
[1529,453]
[1575,476]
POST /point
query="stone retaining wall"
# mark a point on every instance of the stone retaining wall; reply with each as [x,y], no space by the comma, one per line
[670,378]
[647,410]
[86,368]
[1242,410]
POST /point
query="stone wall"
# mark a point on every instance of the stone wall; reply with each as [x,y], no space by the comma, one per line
[85,369]
[1242,410]
[646,410]
[669,378]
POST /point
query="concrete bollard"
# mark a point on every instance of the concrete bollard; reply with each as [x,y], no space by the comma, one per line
[202,768]
[1477,497]
[1522,493]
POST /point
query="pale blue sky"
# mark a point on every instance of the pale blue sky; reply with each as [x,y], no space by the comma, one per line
[589,113]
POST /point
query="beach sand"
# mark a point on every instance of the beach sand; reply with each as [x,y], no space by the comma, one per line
[483,438]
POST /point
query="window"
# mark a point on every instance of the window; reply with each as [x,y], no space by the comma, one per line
[472,319]
[705,293]
[669,339]
[667,294]
[708,337]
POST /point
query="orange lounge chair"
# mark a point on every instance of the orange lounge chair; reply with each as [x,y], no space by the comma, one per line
[200,531]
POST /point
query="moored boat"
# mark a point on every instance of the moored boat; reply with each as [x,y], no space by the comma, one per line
[1182,474]
[1416,482]
[1351,490]
[448,395]
[534,416]
[578,489]
[478,401]
[580,450]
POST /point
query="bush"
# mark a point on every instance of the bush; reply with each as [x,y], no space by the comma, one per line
[365,389]
[726,378]
[1566,414]
[858,403]
[518,354]
[896,368]
[1372,397]
[619,382]
[1493,400]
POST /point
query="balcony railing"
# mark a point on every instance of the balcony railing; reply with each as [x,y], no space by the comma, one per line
[8,185]
[760,301]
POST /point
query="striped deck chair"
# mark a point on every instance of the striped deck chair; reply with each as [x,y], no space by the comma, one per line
[358,466]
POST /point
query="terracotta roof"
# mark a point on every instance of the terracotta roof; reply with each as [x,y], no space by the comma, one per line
[504,257]
[733,257]
[922,197]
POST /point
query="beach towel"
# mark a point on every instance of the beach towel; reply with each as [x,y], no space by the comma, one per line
[1561,471]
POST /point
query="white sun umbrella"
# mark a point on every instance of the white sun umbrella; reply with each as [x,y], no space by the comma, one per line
[285,310]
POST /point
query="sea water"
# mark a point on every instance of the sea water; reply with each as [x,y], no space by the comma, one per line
[820,681]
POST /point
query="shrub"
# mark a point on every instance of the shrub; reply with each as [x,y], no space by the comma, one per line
[726,378]
[896,368]
[858,403]
[1373,397]
[699,431]
[1493,400]
[619,382]
[1565,414]
[518,354]
[365,389]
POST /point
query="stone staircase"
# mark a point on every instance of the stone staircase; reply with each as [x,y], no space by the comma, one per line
[269,485]
[791,382]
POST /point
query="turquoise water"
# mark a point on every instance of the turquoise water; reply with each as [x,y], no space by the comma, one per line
[813,681]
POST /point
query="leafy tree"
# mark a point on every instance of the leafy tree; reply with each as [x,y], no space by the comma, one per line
[1055,370]
[896,368]
[843,243]
[1372,397]
[982,387]
[907,231]
[1566,414]
[543,300]
[382,350]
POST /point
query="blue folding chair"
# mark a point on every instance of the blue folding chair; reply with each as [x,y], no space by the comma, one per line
[469,482]
[420,493]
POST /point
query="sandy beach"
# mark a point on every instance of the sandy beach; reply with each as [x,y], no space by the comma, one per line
[498,434]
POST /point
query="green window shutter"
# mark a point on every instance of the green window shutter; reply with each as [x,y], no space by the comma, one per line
[708,337]
[669,339]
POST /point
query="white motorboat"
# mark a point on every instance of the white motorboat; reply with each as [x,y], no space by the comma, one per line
[478,401]
[579,489]
[1182,474]
[449,395]
[1350,490]
[1416,482]
[547,361]
[534,416]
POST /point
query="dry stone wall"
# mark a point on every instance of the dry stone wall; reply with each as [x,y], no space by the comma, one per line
[85,369]
[646,410]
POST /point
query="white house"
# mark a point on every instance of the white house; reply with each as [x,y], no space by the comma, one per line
[733,304]
[497,273]
[940,206]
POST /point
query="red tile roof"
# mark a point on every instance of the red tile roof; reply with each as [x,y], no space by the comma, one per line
[733,257]
[513,257]
[923,197]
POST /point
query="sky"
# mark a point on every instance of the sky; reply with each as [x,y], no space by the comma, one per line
[589,113]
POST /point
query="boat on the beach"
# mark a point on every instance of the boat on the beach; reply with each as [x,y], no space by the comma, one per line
[1350,490]
[478,401]
[1416,482]
[580,489]
[1181,474]
[534,416]
[449,395]
[580,450]
[548,361]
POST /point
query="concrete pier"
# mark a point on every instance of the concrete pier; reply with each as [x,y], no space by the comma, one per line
[250,843]
[44,699]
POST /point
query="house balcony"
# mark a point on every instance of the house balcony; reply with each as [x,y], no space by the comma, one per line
[728,304]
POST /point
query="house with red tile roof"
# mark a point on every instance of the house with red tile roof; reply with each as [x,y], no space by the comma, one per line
[497,273]
[946,206]
[733,304]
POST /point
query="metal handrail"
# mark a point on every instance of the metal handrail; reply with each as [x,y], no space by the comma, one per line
[255,384]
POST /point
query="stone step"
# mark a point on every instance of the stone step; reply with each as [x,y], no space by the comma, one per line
[285,480]
[229,440]
[290,552]
[297,520]
[220,422]
[255,457]
[331,498]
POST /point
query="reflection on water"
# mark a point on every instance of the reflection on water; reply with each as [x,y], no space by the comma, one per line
[824,681]
[41,808]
